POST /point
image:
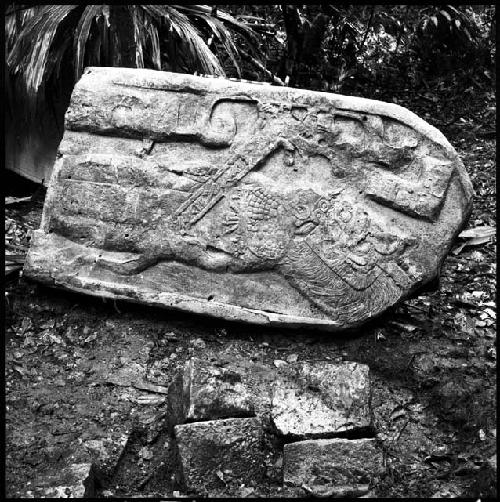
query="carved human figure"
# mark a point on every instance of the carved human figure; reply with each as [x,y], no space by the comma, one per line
[326,246]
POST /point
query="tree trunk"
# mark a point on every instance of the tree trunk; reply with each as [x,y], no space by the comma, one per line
[294,36]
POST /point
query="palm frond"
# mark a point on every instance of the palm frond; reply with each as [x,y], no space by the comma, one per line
[82,32]
[139,35]
[155,42]
[232,23]
[30,53]
[145,30]
[15,20]
[190,35]
[222,33]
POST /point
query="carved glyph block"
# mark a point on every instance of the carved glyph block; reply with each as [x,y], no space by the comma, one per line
[247,202]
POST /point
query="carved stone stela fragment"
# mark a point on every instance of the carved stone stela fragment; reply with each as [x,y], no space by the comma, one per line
[248,202]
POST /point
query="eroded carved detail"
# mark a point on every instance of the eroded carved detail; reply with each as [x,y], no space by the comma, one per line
[294,186]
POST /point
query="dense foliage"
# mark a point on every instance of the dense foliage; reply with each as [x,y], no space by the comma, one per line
[329,47]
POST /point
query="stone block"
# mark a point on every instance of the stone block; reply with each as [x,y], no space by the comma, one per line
[70,481]
[247,202]
[304,400]
[321,399]
[218,454]
[209,390]
[332,462]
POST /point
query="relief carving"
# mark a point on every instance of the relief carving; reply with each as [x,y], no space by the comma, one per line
[284,183]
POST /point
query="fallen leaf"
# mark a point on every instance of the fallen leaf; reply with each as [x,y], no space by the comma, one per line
[246,491]
[19,369]
[150,400]
[489,304]
[478,232]
[15,200]
[146,453]
[280,363]
[158,389]
[477,241]
[405,326]
[491,313]
[396,414]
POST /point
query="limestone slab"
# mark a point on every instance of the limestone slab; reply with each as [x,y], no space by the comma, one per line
[203,391]
[208,390]
[248,202]
[321,399]
[333,462]
[70,481]
[218,453]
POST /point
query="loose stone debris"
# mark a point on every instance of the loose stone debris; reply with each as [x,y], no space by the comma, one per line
[251,203]
[227,428]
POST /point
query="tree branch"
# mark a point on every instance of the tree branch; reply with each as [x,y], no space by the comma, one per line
[368,27]
[262,68]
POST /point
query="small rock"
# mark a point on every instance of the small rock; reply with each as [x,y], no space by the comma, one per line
[97,448]
[337,462]
[492,462]
[279,363]
[146,453]
[198,343]
[208,448]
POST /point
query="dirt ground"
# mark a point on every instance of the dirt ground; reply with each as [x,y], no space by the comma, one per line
[72,364]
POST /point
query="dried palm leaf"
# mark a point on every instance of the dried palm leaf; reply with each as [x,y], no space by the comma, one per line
[82,32]
[232,23]
[30,53]
[10,269]
[223,35]
[190,35]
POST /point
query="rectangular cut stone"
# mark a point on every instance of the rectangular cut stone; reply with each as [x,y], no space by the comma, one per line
[254,203]
[319,400]
[303,400]
[70,481]
[203,391]
[218,454]
[334,462]
[206,390]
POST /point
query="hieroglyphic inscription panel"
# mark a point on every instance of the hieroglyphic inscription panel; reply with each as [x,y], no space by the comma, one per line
[249,202]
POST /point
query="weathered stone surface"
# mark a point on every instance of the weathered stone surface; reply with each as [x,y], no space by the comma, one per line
[318,400]
[208,390]
[303,400]
[71,481]
[336,462]
[247,202]
[216,453]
